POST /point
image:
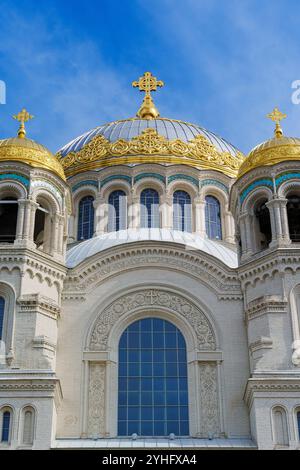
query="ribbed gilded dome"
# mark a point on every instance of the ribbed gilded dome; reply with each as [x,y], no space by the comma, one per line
[276,150]
[28,151]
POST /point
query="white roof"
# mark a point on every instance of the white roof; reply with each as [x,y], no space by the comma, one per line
[83,250]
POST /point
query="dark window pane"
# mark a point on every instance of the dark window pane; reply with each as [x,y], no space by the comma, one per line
[86,218]
[213,217]
[153,396]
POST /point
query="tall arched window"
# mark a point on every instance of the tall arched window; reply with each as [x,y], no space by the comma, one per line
[2,309]
[28,426]
[213,218]
[117,211]
[153,391]
[149,208]
[293,213]
[6,424]
[182,211]
[42,235]
[298,424]
[8,219]
[86,218]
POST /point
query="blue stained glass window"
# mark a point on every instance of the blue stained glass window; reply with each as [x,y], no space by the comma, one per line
[153,389]
[149,208]
[182,211]
[5,426]
[86,218]
[2,306]
[213,218]
[117,211]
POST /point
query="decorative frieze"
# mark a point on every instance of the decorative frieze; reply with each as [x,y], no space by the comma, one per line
[209,401]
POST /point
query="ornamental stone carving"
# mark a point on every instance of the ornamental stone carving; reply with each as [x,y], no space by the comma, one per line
[209,403]
[96,415]
[148,299]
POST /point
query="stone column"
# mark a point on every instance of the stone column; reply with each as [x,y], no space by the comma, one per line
[100,216]
[71,229]
[166,211]
[200,227]
[20,220]
[229,232]
[54,235]
[245,229]
[134,216]
[279,223]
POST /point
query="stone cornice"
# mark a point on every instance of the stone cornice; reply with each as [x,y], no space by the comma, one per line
[87,275]
[37,303]
[265,305]
[257,387]
[276,260]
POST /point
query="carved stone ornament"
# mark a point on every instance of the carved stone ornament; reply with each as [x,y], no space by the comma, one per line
[209,403]
[96,416]
[152,298]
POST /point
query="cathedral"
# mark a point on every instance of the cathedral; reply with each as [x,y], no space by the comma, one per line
[149,288]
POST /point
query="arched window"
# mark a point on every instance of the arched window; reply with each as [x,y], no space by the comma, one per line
[153,391]
[6,424]
[182,211]
[86,218]
[149,208]
[263,231]
[293,213]
[117,211]
[298,424]
[28,426]
[280,427]
[8,219]
[213,218]
[42,228]
[2,309]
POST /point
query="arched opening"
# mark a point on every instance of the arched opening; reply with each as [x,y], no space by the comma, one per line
[281,437]
[153,385]
[149,208]
[85,218]
[117,211]
[213,220]
[298,424]
[182,211]
[262,225]
[42,228]
[293,214]
[6,415]
[8,219]
[28,426]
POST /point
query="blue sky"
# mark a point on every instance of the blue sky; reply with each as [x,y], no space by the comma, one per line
[225,64]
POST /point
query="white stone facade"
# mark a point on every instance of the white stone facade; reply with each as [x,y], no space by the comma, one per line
[62,324]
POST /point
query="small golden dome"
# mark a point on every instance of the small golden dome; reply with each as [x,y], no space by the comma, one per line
[276,150]
[28,151]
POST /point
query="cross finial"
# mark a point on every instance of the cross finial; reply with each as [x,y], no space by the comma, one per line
[277,116]
[148,83]
[23,116]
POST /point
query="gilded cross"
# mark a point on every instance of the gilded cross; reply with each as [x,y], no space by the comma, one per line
[23,116]
[148,83]
[277,116]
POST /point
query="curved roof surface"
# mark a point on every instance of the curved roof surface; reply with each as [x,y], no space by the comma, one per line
[83,250]
[129,128]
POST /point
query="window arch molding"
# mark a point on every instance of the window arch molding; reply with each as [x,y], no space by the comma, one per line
[296,422]
[287,187]
[24,409]
[13,189]
[284,433]
[183,186]
[254,197]
[119,319]
[149,183]
[7,408]
[7,292]
[115,185]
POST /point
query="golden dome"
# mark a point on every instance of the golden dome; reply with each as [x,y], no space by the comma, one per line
[28,151]
[276,150]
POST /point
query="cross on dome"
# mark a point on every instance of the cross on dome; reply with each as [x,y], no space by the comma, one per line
[23,116]
[147,83]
